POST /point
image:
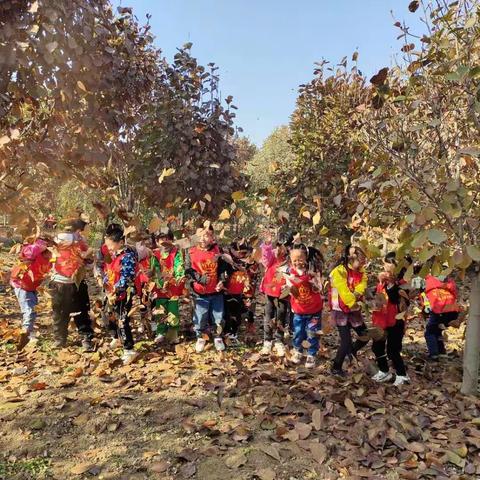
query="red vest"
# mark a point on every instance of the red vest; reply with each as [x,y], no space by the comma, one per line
[308,301]
[29,275]
[141,276]
[386,316]
[69,261]
[205,263]
[442,296]
[273,282]
[238,283]
[172,288]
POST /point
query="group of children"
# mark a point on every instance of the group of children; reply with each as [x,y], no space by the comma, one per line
[222,283]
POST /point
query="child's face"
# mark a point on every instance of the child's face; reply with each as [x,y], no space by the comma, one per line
[114,246]
[205,237]
[359,261]
[298,259]
[164,243]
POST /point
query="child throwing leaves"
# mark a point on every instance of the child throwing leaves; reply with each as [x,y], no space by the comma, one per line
[208,273]
[306,302]
[348,282]
[120,288]
[274,259]
[34,264]
[167,266]
[390,301]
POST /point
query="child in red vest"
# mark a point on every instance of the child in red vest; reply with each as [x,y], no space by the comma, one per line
[348,282]
[142,280]
[237,286]
[120,287]
[33,266]
[274,259]
[306,302]
[167,266]
[208,273]
[68,288]
[442,297]
[391,300]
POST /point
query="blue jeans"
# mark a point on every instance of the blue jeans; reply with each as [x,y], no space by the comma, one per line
[433,332]
[305,327]
[27,301]
[206,307]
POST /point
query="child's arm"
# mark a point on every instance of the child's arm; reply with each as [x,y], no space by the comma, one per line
[268,256]
[362,286]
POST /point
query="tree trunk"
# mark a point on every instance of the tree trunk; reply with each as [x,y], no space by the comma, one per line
[471,353]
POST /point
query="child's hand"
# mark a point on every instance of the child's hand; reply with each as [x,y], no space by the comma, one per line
[219,287]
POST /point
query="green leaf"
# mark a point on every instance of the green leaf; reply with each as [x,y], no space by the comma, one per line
[414,206]
[427,254]
[474,252]
[420,239]
[437,236]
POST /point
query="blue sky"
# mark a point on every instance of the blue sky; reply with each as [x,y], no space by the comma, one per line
[266,48]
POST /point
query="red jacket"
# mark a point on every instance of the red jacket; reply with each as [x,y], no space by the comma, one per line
[34,265]
[205,263]
[69,259]
[442,296]
[307,301]
[386,316]
[273,282]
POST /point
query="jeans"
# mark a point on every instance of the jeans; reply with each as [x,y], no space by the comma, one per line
[433,332]
[70,301]
[274,322]
[306,327]
[27,301]
[206,307]
[346,346]
[393,342]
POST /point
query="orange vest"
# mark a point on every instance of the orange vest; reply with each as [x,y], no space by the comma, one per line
[442,296]
[386,316]
[238,283]
[69,260]
[29,275]
[205,263]
[307,301]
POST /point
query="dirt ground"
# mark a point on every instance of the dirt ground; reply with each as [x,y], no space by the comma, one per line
[175,414]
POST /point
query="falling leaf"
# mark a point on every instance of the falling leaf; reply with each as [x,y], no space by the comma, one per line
[224,215]
[167,172]
[81,86]
[316,219]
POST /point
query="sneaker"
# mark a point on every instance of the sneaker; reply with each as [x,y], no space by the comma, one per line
[115,343]
[267,348]
[400,380]
[219,345]
[88,345]
[296,357]
[338,372]
[159,339]
[310,362]
[382,376]
[129,356]
[153,327]
[233,340]
[279,349]
[200,345]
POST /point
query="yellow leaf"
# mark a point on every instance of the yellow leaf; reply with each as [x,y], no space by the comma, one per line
[34,7]
[237,196]
[324,230]
[167,172]
[306,214]
[208,197]
[155,224]
[224,215]
[316,219]
[81,86]
[4,140]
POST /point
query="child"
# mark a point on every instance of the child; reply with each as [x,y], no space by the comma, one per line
[237,285]
[142,278]
[168,270]
[348,282]
[68,288]
[390,302]
[249,293]
[34,265]
[442,298]
[273,285]
[208,273]
[307,303]
[119,284]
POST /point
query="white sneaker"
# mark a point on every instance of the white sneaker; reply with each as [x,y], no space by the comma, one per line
[129,356]
[115,343]
[159,339]
[200,345]
[400,380]
[233,340]
[296,357]
[310,362]
[219,345]
[153,327]
[279,348]
[267,348]
[382,376]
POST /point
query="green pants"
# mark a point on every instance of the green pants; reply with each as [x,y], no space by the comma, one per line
[170,320]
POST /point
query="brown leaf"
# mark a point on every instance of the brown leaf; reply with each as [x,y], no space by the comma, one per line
[271,451]
[317,419]
[81,468]
[413,6]
[350,406]
[303,430]
[319,452]
[379,78]
[159,467]
[236,460]
[266,474]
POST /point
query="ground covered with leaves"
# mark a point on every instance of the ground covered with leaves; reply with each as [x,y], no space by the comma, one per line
[177,414]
